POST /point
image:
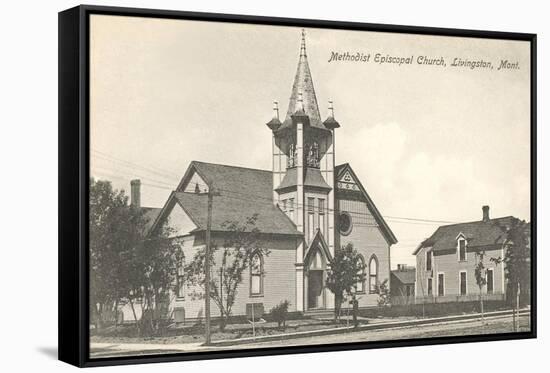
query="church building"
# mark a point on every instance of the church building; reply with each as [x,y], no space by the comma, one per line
[307,207]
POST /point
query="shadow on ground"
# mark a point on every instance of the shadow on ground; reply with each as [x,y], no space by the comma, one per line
[50,352]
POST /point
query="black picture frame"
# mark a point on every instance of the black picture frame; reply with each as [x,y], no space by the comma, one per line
[74,170]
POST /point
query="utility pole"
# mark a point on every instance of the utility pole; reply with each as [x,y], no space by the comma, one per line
[211,194]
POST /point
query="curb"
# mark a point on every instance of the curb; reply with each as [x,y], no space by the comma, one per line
[348,329]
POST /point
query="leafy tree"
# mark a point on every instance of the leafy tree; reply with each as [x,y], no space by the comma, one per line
[481,278]
[125,265]
[346,270]
[279,313]
[480,272]
[242,240]
[160,256]
[517,260]
[114,230]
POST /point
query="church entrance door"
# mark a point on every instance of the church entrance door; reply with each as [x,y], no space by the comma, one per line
[315,289]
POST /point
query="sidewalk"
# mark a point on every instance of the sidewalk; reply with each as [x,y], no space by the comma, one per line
[98,348]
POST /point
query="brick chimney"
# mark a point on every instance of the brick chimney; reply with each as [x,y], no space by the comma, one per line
[485,213]
[135,193]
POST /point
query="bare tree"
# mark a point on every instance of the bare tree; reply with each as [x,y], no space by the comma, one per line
[241,243]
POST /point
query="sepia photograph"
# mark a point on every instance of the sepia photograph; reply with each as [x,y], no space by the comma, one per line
[257,186]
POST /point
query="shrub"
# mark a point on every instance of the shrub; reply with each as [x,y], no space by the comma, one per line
[383,294]
[279,313]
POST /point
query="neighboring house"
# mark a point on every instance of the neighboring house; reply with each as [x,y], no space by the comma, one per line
[402,284]
[445,262]
[307,208]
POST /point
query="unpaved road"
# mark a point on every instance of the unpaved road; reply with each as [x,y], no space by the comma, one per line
[462,328]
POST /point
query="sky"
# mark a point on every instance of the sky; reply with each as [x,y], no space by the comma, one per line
[427,142]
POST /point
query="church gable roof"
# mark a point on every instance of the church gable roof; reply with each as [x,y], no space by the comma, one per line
[339,173]
[241,193]
[346,181]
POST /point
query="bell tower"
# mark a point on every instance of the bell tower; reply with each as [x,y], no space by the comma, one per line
[303,166]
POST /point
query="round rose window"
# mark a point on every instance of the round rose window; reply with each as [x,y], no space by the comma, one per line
[344,223]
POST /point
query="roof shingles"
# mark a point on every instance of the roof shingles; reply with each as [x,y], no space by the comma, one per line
[477,233]
[407,276]
[242,193]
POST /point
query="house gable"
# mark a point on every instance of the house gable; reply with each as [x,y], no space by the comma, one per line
[478,235]
[179,221]
[174,214]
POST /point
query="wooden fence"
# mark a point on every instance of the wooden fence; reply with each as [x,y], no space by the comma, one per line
[398,300]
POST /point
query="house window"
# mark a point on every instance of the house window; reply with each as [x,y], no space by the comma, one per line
[373,275]
[430,289]
[429,257]
[321,215]
[310,205]
[311,217]
[441,284]
[462,250]
[180,281]
[490,281]
[321,206]
[291,208]
[463,283]
[360,285]
[256,275]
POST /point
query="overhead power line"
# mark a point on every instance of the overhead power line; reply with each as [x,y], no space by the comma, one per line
[161,184]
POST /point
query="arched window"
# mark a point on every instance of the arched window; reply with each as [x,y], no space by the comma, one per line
[256,275]
[373,275]
[360,285]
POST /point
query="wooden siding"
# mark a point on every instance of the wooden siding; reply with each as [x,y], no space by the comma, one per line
[368,239]
[449,264]
[278,282]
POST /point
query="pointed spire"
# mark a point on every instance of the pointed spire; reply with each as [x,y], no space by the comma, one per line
[275,110]
[300,103]
[274,123]
[303,84]
[303,45]
[330,122]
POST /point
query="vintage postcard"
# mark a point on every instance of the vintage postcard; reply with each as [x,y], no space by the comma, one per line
[258,186]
